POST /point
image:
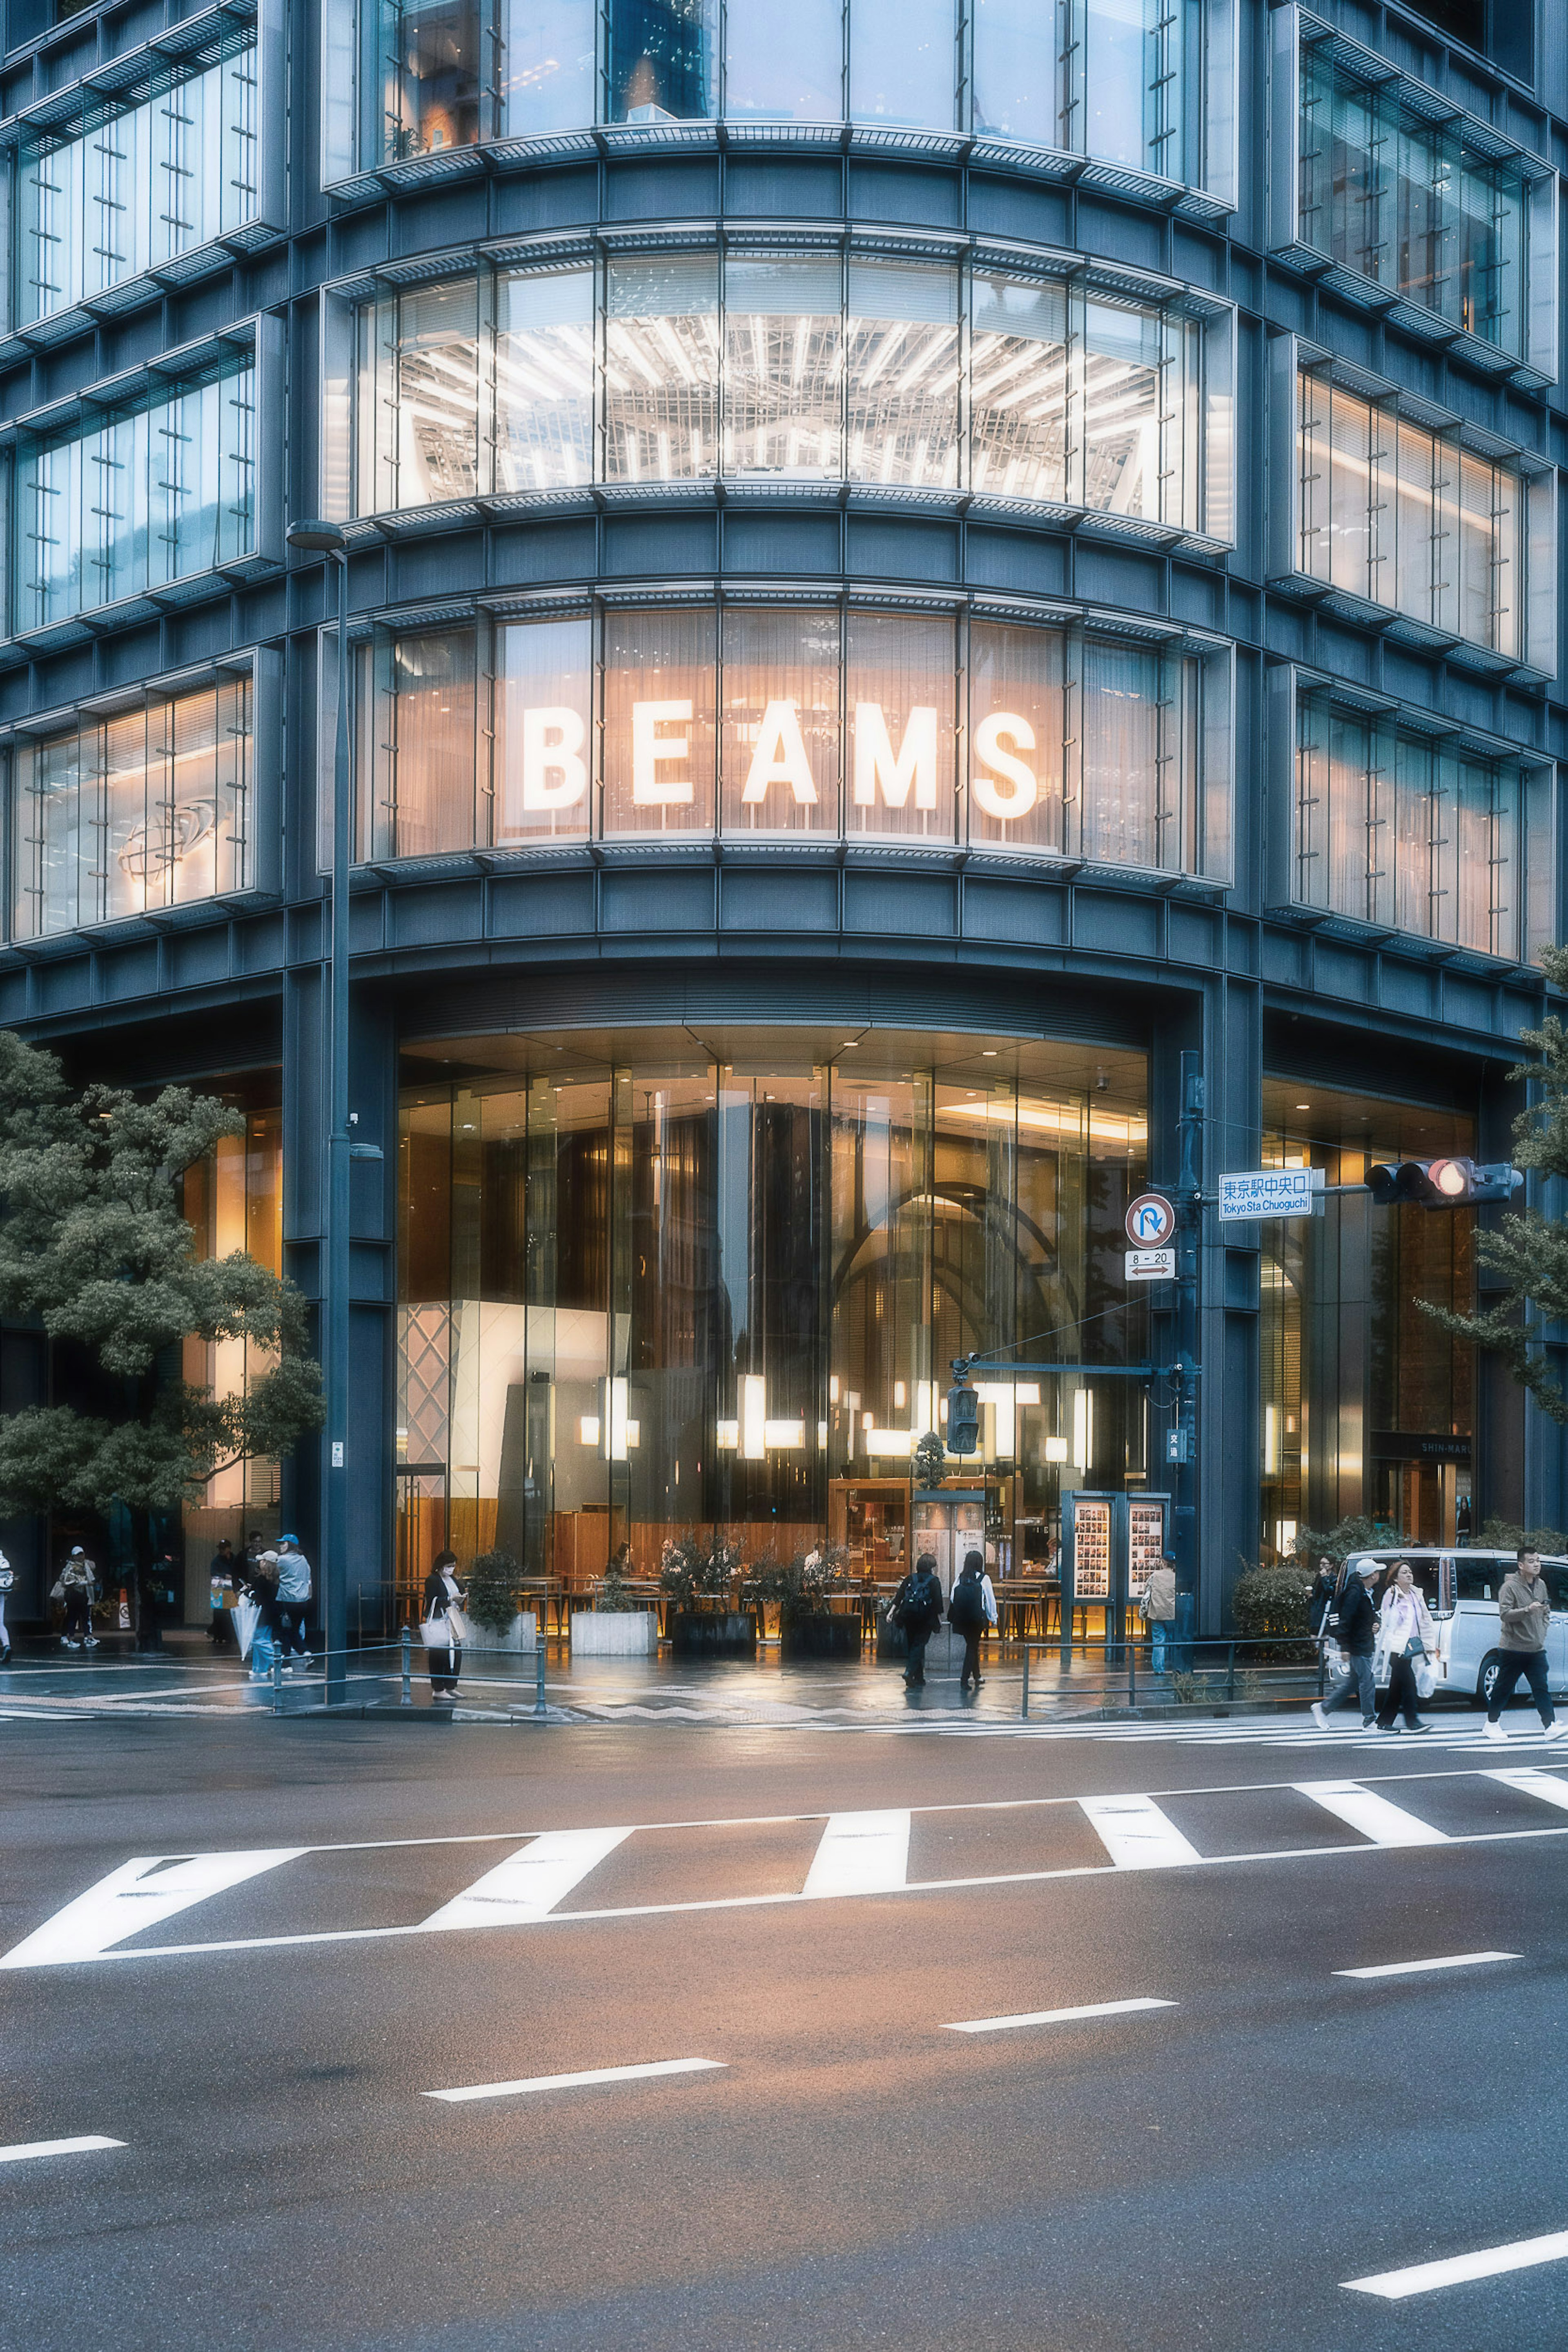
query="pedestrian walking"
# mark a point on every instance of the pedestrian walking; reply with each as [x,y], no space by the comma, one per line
[221,1576]
[259,1577]
[7,1584]
[77,1587]
[918,1609]
[1408,1638]
[1352,1620]
[441,1630]
[1325,1584]
[1157,1605]
[294,1590]
[1524,1609]
[967,1615]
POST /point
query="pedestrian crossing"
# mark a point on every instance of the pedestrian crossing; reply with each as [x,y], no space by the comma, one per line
[527,1878]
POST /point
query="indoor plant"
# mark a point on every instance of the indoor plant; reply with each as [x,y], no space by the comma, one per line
[491,1604]
[698,1570]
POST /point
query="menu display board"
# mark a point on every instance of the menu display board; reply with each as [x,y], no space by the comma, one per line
[1145,1543]
[1091,1547]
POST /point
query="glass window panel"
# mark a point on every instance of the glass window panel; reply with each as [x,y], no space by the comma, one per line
[1488,528]
[899,697]
[778,747]
[1485,224]
[430,66]
[1342,167]
[659,731]
[661,370]
[428,752]
[1122,790]
[130,542]
[1018,72]
[784,62]
[903,367]
[784,360]
[1415,806]
[1539,802]
[1017,397]
[1353,447]
[547,67]
[1484,869]
[662,60]
[544,731]
[904,62]
[1132,79]
[1122,410]
[1017,727]
[1410,490]
[438,393]
[134,784]
[544,379]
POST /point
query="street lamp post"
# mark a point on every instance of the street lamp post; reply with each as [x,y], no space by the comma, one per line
[326,539]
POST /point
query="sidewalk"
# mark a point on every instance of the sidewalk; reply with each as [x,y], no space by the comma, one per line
[501,1687]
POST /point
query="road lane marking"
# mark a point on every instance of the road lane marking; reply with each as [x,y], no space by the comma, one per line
[1054,2016]
[1490,2262]
[1362,1809]
[580,2081]
[1531,1781]
[861,1854]
[528,1884]
[1419,1968]
[143,1893]
[1137,1834]
[23,2151]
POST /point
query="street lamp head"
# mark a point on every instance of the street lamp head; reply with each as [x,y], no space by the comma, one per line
[316,538]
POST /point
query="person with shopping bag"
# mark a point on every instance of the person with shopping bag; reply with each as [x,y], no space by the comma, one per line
[1409,1641]
[444,1626]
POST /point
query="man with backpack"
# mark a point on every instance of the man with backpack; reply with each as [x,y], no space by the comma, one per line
[1352,1622]
[918,1611]
[968,1615]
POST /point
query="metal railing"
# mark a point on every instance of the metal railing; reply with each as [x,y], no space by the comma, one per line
[1197,1670]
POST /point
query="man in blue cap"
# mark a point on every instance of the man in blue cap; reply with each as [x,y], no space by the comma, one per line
[293,1602]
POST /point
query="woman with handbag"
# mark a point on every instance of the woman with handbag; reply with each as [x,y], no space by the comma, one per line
[444,1626]
[1408,1638]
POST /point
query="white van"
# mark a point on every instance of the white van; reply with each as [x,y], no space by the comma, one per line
[1461,1590]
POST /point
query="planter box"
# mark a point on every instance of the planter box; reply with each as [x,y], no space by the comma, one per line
[614,1634]
[832,1634]
[521,1634]
[712,1633]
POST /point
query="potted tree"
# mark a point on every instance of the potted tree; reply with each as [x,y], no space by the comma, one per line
[618,1625]
[808,1628]
[700,1571]
[492,1604]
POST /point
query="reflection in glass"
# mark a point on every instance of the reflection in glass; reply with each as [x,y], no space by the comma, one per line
[437,397]
[1132,84]
[784,358]
[662,58]
[904,62]
[547,67]
[659,731]
[661,370]
[1407,203]
[137,186]
[430,69]
[666,1290]
[1122,363]
[1394,828]
[1140,759]
[778,747]
[1017,389]
[145,808]
[784,62]
[159,493]
[902,368]
[544,379]
[544,713]
[1018,73]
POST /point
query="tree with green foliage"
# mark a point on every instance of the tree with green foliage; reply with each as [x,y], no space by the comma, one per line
[94,1250]
[1528,1252]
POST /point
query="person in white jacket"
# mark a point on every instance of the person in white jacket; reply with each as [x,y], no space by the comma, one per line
[1405,1633]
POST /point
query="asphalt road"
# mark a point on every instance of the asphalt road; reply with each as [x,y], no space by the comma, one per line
[849,2172]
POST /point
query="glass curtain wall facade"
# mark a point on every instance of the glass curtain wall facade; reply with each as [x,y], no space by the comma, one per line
[1411,831]
[136,187]
[1368,1408]
[796,723]
[146,807]
[1117,80]
[688,1289]
[772,370]
[156,493]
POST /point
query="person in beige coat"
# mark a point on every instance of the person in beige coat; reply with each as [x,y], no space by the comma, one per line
[1524,1610]
[1159,1604]
[1405,1636]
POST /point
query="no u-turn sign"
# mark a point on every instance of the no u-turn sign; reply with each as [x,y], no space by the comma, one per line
[1150,1221]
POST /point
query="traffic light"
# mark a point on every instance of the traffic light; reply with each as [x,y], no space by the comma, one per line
[963,1417]
[1442,1183]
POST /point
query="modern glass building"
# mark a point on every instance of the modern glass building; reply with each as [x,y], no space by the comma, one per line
[909,567]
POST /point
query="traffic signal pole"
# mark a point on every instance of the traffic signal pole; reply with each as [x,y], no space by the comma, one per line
[1186,1370]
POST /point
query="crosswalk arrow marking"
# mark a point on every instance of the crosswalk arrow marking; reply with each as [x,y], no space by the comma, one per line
[143,1893]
